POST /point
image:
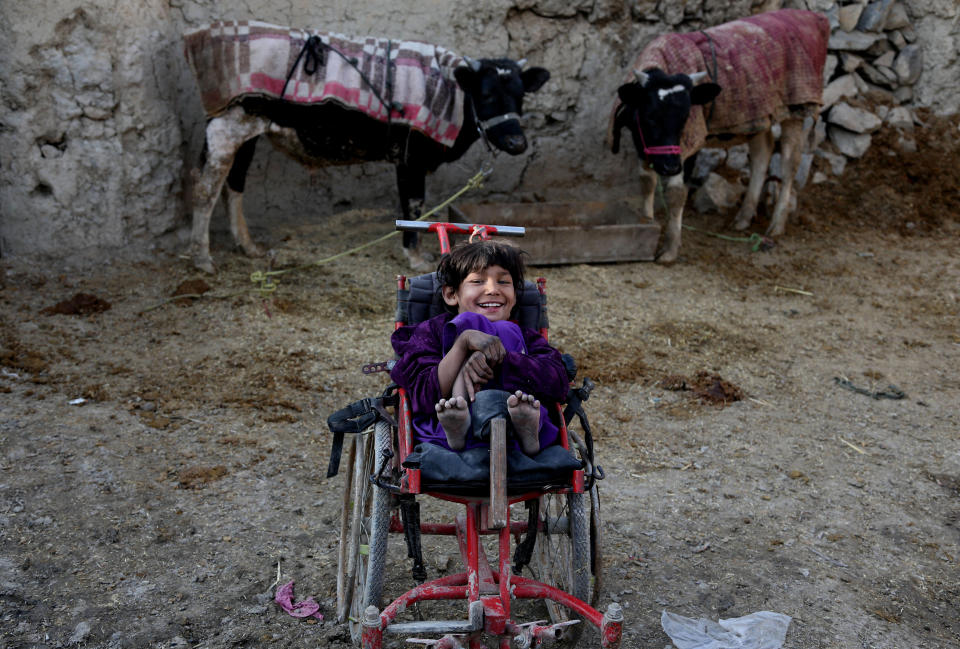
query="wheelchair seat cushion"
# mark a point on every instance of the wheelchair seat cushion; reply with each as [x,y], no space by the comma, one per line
[468,472]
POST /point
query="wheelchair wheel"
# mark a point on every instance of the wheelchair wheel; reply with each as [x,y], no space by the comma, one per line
[364,529]
[562,556]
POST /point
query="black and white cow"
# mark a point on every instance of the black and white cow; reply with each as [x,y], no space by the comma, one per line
[764,70]
[327,134]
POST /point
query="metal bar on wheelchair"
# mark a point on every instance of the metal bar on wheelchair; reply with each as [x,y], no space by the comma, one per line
[461,228]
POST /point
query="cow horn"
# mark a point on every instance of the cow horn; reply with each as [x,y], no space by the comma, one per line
[696,77]
[641,76]
[521,63]
[474,65]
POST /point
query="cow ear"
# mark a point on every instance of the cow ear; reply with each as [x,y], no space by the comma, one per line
[534,78]
[631,93]
[704,93]
[466,77]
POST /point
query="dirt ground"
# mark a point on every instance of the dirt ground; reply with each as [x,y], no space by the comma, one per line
[162,509]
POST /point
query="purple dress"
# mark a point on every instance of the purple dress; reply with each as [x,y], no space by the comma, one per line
[530,365]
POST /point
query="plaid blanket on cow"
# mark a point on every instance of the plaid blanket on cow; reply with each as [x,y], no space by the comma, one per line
[231,60]
[765,64]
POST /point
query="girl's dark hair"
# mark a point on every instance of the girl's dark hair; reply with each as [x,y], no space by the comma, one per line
[469,257]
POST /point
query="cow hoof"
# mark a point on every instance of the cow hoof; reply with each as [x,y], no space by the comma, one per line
[667,258]
[775,232]
[741,224]
[253,250]
[205,264]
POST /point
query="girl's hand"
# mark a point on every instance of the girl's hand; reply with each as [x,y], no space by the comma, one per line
[475,372]
[490,346]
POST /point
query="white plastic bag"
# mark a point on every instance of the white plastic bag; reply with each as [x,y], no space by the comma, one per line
[763,630]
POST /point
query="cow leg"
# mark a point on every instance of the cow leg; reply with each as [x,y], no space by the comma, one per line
[676,196]
[761,148]
[411,184]
[648,191]
[791,135]
[233,197]
[225,135]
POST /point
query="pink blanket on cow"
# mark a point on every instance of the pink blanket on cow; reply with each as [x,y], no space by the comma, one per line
[234,59]
[765,64]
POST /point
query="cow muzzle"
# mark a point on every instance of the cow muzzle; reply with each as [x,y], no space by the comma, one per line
[666,165]
[504,132]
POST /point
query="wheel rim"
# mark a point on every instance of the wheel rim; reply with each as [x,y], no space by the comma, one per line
[562,556]
[373,528]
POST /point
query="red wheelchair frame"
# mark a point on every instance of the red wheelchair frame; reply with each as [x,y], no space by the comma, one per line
[489,592]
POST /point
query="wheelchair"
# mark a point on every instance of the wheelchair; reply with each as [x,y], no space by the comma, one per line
[556,545]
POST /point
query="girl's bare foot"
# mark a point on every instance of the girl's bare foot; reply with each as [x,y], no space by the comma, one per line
[524,410]
[454,417]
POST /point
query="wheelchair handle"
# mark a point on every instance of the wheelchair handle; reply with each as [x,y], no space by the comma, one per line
[461,228]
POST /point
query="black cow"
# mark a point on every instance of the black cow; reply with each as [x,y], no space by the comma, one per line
[328,133]
[770,67]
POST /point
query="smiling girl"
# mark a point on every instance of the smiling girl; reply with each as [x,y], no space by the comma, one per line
[472,363]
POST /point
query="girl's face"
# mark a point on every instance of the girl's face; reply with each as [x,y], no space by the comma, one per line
[489,292]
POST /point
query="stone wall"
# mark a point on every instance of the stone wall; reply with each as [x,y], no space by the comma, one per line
[101,124]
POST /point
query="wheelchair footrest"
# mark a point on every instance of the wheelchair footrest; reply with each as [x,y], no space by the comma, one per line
[475,623]
[433,626]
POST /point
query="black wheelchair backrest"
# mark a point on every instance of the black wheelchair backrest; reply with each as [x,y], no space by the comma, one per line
[422,300]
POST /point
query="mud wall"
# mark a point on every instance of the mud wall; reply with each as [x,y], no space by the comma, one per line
[101,125]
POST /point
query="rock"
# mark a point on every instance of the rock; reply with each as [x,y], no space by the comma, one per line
[850,62]
[836,161]
[819,177]
[874,17]
[889,75]
[862,86]
[833,15]
[852,145]
[852,41]
[909,34]
[672,13]
[903,94]
[880,47]
[708,159]
[80,633]
[909,64]
[849,16]
[875,75]
[906,144]
[878,95]
[829,66]
[738,157]
[839,88]
[897,40]
[886,60]
[644,10]
[716,194]
[853,119]
[900,117]
[896,18]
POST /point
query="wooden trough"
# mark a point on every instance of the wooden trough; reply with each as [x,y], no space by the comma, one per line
[571,233]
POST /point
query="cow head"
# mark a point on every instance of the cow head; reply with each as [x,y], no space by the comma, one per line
[495,88]
[655,108]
